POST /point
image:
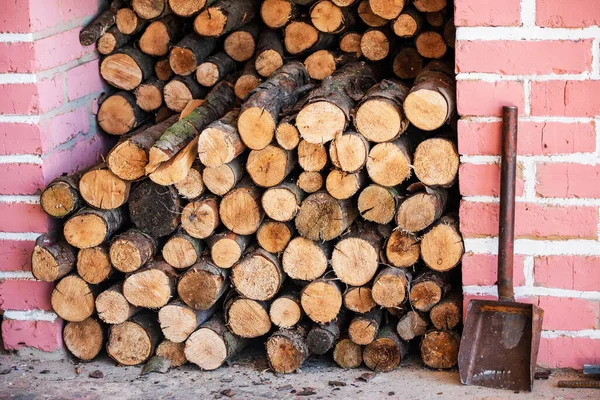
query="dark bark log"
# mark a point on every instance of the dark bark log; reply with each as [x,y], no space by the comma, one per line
[52,258]
[126,68]
[302,37]
[190,52]
[111,40]
[155,209]
[224,16]
[322,337]
[269,52]
[90,227]
[61,197]
[181,90]
[214,69]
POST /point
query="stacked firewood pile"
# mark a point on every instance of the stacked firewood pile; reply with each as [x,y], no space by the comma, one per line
[272,180]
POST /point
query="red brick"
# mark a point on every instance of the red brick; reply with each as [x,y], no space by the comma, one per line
[482,270]
[15,255]
[566,98]
[75,9]
[17,57]
[14,17]
[64,127]
[25,295]
[20,139]
[31,98]
[574,14]
[478,98]
[568,180]
[568,352]
[568,272]
[532,221]
[22,217]
[59,49]
[487,13]
[84,80]
[484,180]
[24,178]
[535,138]
[519,57]
[568,314]
[42,335]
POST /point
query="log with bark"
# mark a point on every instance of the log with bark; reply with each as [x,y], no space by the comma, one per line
[436,162]
[224,16]
[368,17]
[182,250]
[421,208]
[214,69]
[61,197]
[160,35]
[128,22]
[349,152]
[226,248]
[323,337]
[224,178]
[134,341]
[240,209]
[447,314]
[269,166]
[442,246]
[126,68]
[277,13]
[93,264]
[119,114]
[310,182]
[327,17]
[111,40]
[322,217]
[200,218]
[269,52]
[287,349]
[131,250]
[178,321]
[174,352]
[364,328]
[390,287]
[202,285]
[376,44]
[427,290]
[89,227]
[179,91]
[343,186]
[301,37]
[281,202]
[247,81]
[407,63]
[188,8]
[386,352]
[348,354]
[150,9]
[390,163]
[99,25]
[192,186]
[439,349]
[408,24]
[377,203]
[52,258]
[359,299]
[240,44]
[402,250]
[411,325]
[190,52]
[102,189]
[73,299]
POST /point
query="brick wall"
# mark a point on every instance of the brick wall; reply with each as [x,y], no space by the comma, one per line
[48,90]
[542,56]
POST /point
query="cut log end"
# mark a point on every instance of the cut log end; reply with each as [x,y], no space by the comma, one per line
[430,5]
[276,13]
[240,45]
[280,203]
[258,276]
[200,218]
[177,322]
[377,204]
[310,182]
[389,164]
[375,45]
[304,259]
[321,301]
[117,116]
[102,189]
[211,22]
[84,339]
[268,62]
[355,261]
[387,9]
[240,211]
[248,318]
[320,64]
[436,162]
[300,36]
[201,286]
[320,122]
[192,186]
[327,17]
[350,43]
[72,299]
[150,288]
[367,15]
[174,352]
[439,349]
[390,288]
[113,307]
[411,325]
[149,97]
[226,252]
[59,199]
[274,236]
[359,299]
[285,312]
[380,120]
[348,354]
[431,45]
[122,71]
[286,351]
[322,217]
[186,8]
[181,251]
[86,230]
[177,95]
[93,265]
[402,249]
[129,343]
[256,127]
[407,63]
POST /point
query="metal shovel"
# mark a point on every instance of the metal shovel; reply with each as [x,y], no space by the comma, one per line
[500,340]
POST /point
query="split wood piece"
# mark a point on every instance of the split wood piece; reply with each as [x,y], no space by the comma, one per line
[277,13]
[342,185]
[328,107]
[430,5]
[73,299]
[260,113]
[287,349]
[52,258]
[200,218]
[177,168]
[282,202]
[155,209]
[377,204]
[240,209]
[84,339]
[226,248]
[131,250]
[350,43]
[269,51]
[126,68]
[312,157]
[324,63]
[150,9]
[390,287]
[447,314]
[113,307]
[212,344]
[220,142]
[408,24]
[192,186]
[188,8]
[431,45]
[178,321]
[247,318]
[302,37]
[134,341]
[258,275]
[182,251]
[102,189]
[270,166]
[119,114]
[439,349]
[201,286]
[152,286]
[128,22]
[247,81]
[376,44]
[305,260]
[322,217]
[421,209]
[240,44]
[436,19]
[442,247]
[347,354]
[99,25]
[310,182]
[364,328]
[274,236]
[162,69]
[89,227]
[327,17]
[407,63]
[214,69]
[386,352]
[224,16]
[190,106]
[111,40]
[180,90]
[436,162]
[174,352]
[190,52]
[349,152]
[61,197]
[367,15]
[286,311]
[402,249]
[322,337]
[427,290]
[222,179]
[389,164]
[450,33]
[321,300]
[432,99]
[411,325]
[380,117]
[149,95]
[387,9]
[355,257]
[93,264]
[359,299]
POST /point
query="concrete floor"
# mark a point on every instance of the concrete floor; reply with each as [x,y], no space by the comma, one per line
[248,377]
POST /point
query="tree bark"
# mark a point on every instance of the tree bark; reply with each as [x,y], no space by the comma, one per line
[411,325]
[322,337]
[84,339]
[90,227]
[201,286]
[100,24]
[407,63]
[442,247]
[119,114]
[155,209]
[52,258]
[134,341]
[258,275]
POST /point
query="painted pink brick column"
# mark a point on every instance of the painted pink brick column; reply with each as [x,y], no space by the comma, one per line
[544,57]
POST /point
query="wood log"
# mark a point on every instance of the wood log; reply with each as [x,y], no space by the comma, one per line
[258,275]
[99,25]
[128,22]
[247,81]
[439,349]
[427,290]
[277,13]
[302,37]
[447,314]
[111,40]
[430,5]
[61,197]
[126,68]
[73,299]
[407,63]
[411,325]
[402,249]
[150,9]
[442,247]
[222,179]
[270,166]
[408,24]
[450,33]
[214,69]
[247,318]
[52,258]
[282,202]
[182,250]
[342,185]
[180,90]
[200,218]
[434,91]
[176,169]
[376,44]
[192,186]
[93,264]
[305,260]
[377,204]
[224,16]
[102,189]
[178,321]
[359,299]
[260,113]
[386,352]
[155,209]
[226,248]
[113,307]
[421,208]
[220,142]
[286,133]
[131,250]
[390,287]
[327,17]
[162,69]
[190,52]
[350,43]
[119,114]
[431,44]
[347,354]
[364,328]
[380,117]
[84,339]
[368,17]
[201,286]
[322,337]
[240,44]
[436,19]
[274,236]
[134,341]
[310,182]
[324,63]
[174,352]
[149,95]
[322,217]
[240,209]
[285,311]
[89,227]
[269,50]
[344,3]
[387,9]
[152,286]
[349,152]
[436,162]
[328,107]
[321,300]
[287,349]
[389,164]
[188,8]
[312,157]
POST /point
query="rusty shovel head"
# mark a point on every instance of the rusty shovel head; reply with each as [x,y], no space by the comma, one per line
[500,344]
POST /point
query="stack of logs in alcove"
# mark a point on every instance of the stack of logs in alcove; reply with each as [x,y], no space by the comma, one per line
[282,177]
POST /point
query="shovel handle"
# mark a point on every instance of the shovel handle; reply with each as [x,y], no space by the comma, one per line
[506,237]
